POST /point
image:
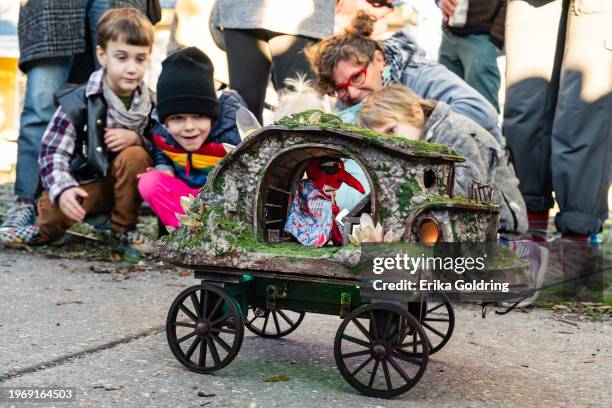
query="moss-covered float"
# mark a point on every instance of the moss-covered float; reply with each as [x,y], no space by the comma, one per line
[233,235]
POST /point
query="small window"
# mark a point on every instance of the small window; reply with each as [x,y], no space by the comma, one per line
[429,178]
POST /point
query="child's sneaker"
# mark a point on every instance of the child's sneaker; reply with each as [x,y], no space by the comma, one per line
[21,214]
[29,234]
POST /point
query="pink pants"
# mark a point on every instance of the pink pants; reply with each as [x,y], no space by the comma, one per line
[163,194]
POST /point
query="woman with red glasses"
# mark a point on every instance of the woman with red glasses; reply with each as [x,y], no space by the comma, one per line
[351,65]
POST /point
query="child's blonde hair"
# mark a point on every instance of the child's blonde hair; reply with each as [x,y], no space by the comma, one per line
[394,102]
[125,24]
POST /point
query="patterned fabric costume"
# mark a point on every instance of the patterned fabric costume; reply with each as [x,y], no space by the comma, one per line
[310,218]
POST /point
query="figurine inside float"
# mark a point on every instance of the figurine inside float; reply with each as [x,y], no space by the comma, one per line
[312,216]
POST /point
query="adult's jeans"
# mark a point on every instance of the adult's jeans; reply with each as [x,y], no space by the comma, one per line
[44,78]
[94,10]
[558,110]
[473,58]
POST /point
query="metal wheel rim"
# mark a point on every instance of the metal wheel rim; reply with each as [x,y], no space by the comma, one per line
[278,316]
[395,350]
[207,328]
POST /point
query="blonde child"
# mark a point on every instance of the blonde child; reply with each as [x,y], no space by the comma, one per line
[397,111]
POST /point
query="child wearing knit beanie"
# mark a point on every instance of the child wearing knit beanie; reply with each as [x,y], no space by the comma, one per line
[191,126]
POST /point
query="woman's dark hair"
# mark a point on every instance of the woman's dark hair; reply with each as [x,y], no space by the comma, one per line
[353,44]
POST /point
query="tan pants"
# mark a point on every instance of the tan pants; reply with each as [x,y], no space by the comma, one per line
[117,194]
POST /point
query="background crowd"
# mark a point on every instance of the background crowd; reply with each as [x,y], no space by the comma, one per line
[556,127]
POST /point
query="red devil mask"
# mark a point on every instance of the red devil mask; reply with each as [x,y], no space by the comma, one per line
[328,174]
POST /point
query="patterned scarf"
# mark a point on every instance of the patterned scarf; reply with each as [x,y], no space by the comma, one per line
[401,50]
[135,118]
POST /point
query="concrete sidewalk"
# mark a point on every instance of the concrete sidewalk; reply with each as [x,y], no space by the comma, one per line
[111,349]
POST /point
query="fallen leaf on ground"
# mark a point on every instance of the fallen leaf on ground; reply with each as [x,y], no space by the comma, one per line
[567,322]
[109,387]
[101,269]
[68,302]
[276,378]
[184,273]
[177,285]
[204,394]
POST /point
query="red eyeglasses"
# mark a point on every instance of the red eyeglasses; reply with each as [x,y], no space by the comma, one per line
[357,79]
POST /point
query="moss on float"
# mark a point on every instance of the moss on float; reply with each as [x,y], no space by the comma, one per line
[324,120]
[407,190]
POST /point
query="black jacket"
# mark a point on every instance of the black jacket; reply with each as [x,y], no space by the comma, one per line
[91,158]
[484,17]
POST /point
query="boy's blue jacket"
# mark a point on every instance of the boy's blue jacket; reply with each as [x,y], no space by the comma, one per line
[193,167]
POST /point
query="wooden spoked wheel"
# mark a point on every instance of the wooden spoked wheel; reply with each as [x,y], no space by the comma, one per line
[381,350]
[204,328]
[437,319]
[438,323]
[273,324]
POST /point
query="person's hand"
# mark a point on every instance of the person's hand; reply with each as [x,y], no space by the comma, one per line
[70,203]
[448,8]
[118,139]
[148,169]
[346,10]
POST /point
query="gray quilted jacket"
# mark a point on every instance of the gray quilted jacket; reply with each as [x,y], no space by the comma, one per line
[486,162]
[56,28]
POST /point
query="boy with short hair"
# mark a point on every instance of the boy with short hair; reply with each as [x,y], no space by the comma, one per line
[191,132]
[94,146]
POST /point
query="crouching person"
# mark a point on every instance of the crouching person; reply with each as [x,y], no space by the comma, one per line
[94,148]
[189,137]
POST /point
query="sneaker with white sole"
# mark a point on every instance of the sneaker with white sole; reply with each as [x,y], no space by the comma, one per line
[29,234]
[21,214]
